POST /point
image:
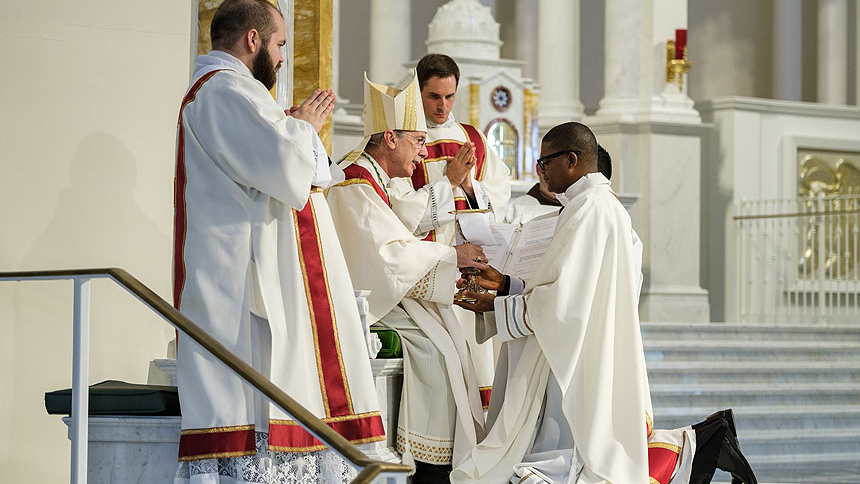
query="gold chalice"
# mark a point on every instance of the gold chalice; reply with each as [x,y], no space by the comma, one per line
[469,273]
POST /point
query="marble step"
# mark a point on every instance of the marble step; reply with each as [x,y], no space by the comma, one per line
[751,351]
[764,372]
[725,395]
[758,332]
[813,467]
[806,441]
[765,417]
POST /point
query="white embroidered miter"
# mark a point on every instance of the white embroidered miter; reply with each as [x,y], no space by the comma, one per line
[387,107]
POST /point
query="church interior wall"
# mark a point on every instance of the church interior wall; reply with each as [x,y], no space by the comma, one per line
[88,131]
[88,125]
[730,47]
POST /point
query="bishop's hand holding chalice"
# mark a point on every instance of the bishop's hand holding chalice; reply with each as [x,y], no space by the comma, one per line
[472,228]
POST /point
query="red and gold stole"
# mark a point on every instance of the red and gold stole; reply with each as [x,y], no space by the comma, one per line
[443,149]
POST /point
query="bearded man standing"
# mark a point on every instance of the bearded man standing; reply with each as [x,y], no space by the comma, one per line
[257,264]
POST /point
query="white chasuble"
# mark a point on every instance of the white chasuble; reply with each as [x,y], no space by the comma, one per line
[256,252]
[419,201]
[576,322]
[411,291]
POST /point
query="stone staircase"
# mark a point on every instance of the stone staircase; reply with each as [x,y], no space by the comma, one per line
[795,392]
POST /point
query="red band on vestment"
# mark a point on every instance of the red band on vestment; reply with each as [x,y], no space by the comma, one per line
[480,149]
[290,436]
[329,362]
[485,396]
[179,184]
[449,148]
[661,464]
[357,172]
[215,444]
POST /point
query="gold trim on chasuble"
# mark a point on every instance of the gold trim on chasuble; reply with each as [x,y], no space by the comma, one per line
[193,441]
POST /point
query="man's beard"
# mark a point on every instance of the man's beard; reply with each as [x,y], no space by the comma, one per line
[264,70]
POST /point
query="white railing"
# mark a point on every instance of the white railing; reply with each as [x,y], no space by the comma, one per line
[798,259]
[369,470]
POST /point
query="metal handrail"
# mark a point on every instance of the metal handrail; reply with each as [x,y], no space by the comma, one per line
[371,468]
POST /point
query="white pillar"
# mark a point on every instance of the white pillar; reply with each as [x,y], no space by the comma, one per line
[787,25]
[857,52]
[662,100]
[832,51]
[622,59]
[335,47]
[787,75]
[558,62]
[390,39]
[527,28]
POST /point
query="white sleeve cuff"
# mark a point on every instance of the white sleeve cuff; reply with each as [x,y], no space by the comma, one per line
[324,177]
[480,195]
[511,321]
[517,286]
[440,204]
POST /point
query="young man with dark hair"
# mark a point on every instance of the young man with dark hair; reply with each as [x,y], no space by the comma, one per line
[257,264]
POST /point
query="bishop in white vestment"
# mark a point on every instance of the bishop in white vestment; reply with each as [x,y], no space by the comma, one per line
[257,264]
[418,200]
[576,406]
[411,282]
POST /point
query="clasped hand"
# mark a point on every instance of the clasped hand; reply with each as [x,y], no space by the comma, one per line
[316,108]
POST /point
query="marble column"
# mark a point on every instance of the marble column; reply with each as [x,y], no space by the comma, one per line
[787,27]
[390,39]
[558,62]
[832,51]
[527,28]
[654,136]
[662,100]
[312,52]
[622,60]
[335,46]
[857,52]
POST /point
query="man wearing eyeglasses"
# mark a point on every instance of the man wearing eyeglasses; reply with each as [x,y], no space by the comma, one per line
[411,284]
[485,184]
[571,400]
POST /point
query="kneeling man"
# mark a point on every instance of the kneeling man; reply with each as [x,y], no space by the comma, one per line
[571,400]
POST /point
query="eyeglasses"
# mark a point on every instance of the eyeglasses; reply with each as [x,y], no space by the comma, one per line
[419,142]
[542,161]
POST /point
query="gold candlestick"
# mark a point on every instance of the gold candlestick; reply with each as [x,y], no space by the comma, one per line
[676,68]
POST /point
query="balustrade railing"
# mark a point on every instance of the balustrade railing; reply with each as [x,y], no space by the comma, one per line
[370,470]
[798,259]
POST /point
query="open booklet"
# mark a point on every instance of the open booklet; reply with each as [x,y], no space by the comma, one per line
[519,248]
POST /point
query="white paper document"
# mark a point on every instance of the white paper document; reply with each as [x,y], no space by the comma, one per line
[520,248]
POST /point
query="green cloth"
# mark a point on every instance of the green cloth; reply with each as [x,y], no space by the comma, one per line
[390,343]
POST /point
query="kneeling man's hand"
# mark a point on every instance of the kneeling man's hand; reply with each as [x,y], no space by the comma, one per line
[483,302]
[489,278]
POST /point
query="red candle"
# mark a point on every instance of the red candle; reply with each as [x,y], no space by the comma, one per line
[680,43]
